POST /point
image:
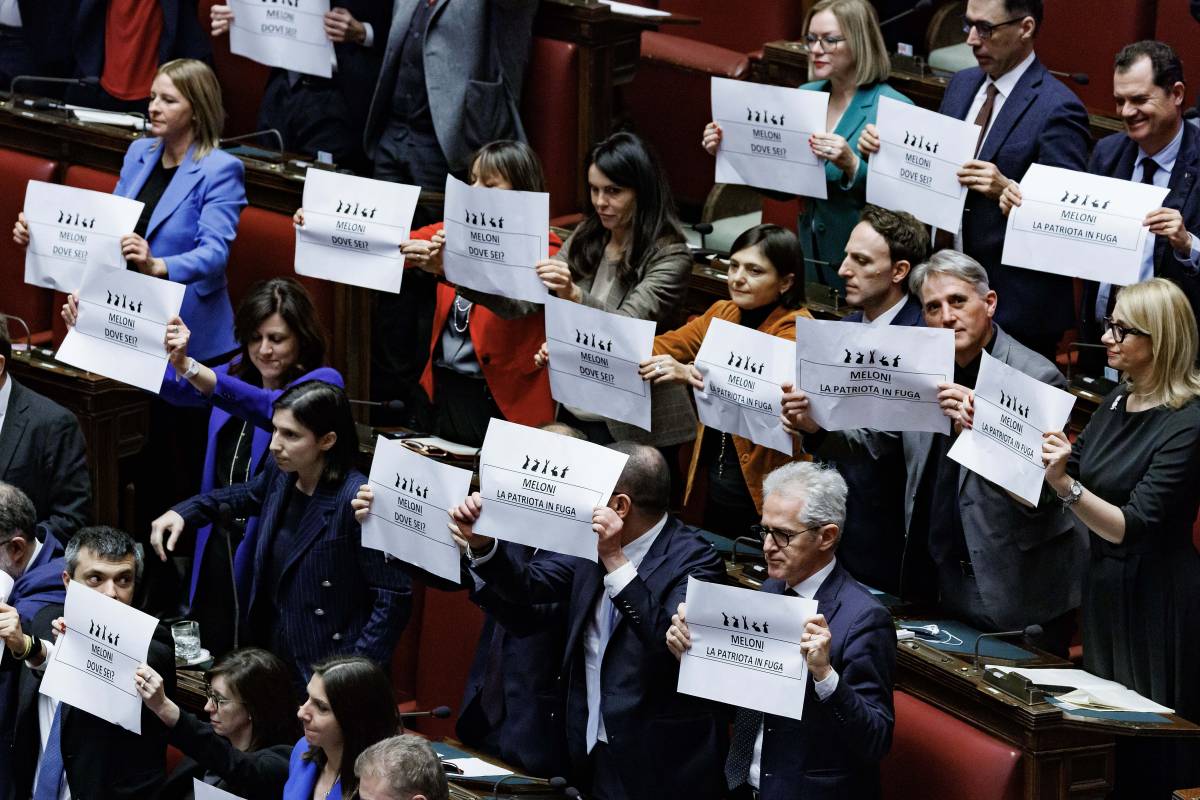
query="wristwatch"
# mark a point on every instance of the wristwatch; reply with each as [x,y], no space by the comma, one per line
[193,368]
[1073,494]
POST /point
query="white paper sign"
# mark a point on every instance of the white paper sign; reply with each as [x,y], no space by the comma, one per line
[764,136]
[122,323]
[353,229]
[1012,410]
[494,237]
[746,648]
[1081,225]
[916,168]
[594,358]
[869,376]
[284,33]
[6,586]
[206,791]
[413,498]
[72,229]
[744,372]
[539,488]
[93,663]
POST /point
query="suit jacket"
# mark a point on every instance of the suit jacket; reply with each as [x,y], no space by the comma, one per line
[665,744]
[835,750]
[335,596]
[233,398]
[1028,561]
[182,35]
[42,453]
[1114,157]
[1041,122]
[42,25]
[190,229]
[358,66]
[830,221]
[103,761]
[258,773]
[473,75]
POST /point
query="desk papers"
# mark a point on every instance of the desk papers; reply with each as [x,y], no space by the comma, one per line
[746,648]
[764,136]
[289,34]
[539,488]
[353,229]
[205,791]
[873,376]
[1081,225]
[494,238]
[1012,410]
[744,370]
[72,229]
[916,168]
[594,358]
[411,510]
[1090,690]
[93,663]
[122,326]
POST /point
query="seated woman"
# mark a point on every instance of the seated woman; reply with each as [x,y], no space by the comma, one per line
[350,706]
[244,746]
[315,591]
[767,294]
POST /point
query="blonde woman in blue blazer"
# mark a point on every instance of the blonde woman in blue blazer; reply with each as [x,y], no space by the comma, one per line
[847,58]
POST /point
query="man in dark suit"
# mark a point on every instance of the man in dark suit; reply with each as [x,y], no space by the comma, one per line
[96,758]
[42,451]
[882,249]
[850,647]
[629,733]
[1027,117]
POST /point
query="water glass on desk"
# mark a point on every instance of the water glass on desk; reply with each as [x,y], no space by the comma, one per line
[186,634]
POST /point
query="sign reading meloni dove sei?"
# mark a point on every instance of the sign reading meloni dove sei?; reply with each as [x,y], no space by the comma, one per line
[289,34]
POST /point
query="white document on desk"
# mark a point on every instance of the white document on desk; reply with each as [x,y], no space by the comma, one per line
[872,376]
[353,229]
[1012,410]
[93,664]
[1098,690]
[764,136]
[1080,225]
[744,372]
[289,34]
[540,488]
[206,791]
[916,168]
[72,229]
[122,325]
[746,648]
[411,509]
[494,237]
[594,358]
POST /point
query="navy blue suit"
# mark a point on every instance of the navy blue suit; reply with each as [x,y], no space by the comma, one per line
[182,36]
[663,743]
[835,750]
[334,595]
[1041,122]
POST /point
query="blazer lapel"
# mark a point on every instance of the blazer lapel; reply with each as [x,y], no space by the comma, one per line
[856,113]
[186,177]
[959,105]
[150,157]
[1181,183]
[1023,95]
[827,594]
[15,420]
[589,582]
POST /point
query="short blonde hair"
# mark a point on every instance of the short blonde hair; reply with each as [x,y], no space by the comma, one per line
[860,25]
[1160,308]
[198,84]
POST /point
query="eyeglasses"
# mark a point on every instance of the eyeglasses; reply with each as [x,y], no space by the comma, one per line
[217,700]
[781,537]
[828,43]
[1119,332]
[985,29]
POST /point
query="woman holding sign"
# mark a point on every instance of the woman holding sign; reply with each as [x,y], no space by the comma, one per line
[767,295]
[1131,477]
[848,59]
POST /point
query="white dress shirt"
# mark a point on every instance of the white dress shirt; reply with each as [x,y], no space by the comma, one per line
[10,13]
[5,394]
[806,588]
[46,709]
[886,317]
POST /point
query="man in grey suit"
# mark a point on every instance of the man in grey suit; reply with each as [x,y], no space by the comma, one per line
[999,563]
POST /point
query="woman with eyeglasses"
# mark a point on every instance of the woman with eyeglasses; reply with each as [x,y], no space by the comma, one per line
[1131,477]
[244,746]
[848,59]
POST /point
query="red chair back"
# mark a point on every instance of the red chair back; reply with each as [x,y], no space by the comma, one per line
[33,304]
[550,113]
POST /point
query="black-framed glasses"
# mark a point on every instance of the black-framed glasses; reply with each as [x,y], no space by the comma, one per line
[828,43]
[781,536]
[986,29]
[1119,331]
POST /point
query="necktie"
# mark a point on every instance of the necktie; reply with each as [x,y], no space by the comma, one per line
[741,748]
[984,117]
[1149,168]
[491,695]
[50,770]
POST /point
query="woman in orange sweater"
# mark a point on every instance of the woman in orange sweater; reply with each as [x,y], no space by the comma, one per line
[766,288]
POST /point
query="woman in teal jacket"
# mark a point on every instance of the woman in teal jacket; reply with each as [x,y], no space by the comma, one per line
[848,59]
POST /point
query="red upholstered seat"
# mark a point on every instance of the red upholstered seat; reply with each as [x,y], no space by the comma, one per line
[550,113]
[242,80]
[88,178]
[32,304]
[936,755]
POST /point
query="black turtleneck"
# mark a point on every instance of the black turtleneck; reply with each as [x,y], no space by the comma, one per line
[755,317]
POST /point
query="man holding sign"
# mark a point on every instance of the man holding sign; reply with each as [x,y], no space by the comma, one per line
[846,727]
[59,743]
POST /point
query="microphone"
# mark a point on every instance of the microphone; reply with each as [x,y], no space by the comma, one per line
[557,783]
[755,543]
[1081,78]
[440,712]
[225,520]
[253,135]
[88,81]
[390,405]
[509,777]
[25,325]
[573,793]
[921,5]
[1029,632]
